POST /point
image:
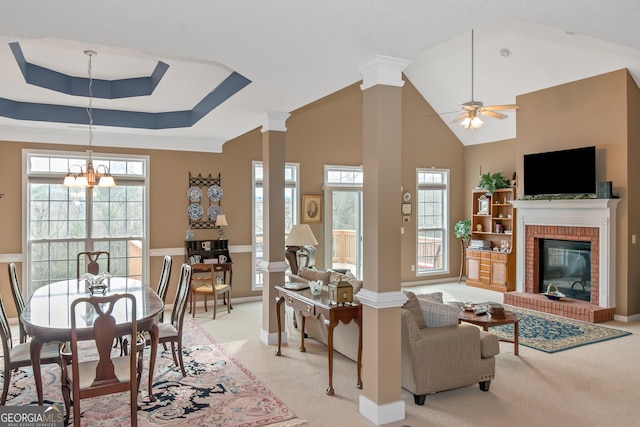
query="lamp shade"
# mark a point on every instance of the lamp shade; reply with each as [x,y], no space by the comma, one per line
[300,235]
[221,219]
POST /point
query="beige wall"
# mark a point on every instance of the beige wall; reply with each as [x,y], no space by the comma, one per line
[492,158]
[633,202]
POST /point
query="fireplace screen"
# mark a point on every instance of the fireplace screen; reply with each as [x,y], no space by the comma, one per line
[566,263]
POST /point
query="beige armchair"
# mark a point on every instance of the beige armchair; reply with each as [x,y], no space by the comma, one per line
[443,358]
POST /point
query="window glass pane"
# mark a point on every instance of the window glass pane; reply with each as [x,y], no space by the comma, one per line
[117,168]
[135,168]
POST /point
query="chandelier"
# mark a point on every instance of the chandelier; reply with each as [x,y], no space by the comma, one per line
[88,175]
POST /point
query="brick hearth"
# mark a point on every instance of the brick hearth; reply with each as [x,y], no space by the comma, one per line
[567,307]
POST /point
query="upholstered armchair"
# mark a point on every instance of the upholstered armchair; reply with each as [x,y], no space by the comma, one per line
[437,358]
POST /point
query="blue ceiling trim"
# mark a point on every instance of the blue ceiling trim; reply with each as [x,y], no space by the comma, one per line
[79,86]
[128,119]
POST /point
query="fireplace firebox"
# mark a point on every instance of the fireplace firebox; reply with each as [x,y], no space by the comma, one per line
[567,264]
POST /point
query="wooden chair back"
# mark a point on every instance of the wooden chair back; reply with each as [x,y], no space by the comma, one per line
[106,370]
[163,282]
[18,299]
[181,298]
[5,334]
[92,265]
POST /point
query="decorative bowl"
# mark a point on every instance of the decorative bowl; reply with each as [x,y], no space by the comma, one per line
[481,309]
[553,293]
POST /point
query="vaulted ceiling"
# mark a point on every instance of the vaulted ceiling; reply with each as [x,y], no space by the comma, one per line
[190,75]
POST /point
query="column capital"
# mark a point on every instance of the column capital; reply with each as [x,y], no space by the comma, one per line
[384,70]
[275,121]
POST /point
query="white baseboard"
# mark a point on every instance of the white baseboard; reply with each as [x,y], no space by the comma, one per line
[382,414]
[272,338]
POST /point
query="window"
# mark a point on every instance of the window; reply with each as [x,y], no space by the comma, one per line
[432,207]
[343,223]
[290,212]
[63,221]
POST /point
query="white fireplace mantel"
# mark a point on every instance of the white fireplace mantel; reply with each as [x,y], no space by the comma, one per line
[597,213]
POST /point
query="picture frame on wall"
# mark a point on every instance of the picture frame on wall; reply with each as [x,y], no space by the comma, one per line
[311,208]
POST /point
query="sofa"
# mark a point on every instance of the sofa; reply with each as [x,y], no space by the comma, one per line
[345,336]
[438,353]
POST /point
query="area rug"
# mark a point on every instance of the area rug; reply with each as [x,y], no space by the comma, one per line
[551,334]
[217,391]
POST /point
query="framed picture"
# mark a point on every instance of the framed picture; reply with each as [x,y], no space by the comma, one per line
[311,208]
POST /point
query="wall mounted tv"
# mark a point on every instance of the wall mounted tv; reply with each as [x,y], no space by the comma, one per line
[560,172]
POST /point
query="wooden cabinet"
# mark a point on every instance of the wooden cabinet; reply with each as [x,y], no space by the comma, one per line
[212,249]
[207,249]
[491,270]
[493,220]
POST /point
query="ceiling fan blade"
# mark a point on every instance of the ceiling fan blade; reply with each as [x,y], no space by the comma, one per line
[460,117]
[502,107]
[493,114]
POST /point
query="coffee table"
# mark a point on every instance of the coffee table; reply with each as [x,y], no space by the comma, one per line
[486,321]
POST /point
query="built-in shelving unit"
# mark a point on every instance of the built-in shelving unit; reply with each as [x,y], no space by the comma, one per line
[493,220]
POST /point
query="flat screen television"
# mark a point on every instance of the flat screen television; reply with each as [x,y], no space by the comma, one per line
[560,172]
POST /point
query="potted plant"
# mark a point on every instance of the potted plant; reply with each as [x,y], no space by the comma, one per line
[462,230]
[492,182]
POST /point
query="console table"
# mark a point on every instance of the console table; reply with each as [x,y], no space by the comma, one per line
[308,305]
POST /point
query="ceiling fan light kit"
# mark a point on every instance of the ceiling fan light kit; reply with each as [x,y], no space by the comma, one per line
[469,119]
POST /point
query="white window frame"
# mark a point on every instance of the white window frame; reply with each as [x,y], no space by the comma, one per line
[28,177]
[289,222]
[445,243]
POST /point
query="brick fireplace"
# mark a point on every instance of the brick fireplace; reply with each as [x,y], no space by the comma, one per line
[584,220]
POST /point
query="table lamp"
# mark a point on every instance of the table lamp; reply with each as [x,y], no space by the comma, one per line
[299,237]
[221,221]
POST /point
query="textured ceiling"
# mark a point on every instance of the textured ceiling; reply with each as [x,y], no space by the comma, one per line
[295,52]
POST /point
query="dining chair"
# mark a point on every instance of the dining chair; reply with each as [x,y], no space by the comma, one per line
[203,283]
[18,299]
[171,332]
[93,264]
[88,376]
[18,356]
[163,283]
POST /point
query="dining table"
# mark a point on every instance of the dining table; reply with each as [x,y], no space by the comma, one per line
[47,317]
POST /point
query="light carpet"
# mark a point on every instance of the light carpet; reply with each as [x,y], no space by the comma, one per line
[551,334]
[217,391]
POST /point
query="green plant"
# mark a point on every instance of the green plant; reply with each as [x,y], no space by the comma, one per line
[462,229]
[492,182]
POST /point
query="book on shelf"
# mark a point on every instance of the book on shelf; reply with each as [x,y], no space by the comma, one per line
[479,244]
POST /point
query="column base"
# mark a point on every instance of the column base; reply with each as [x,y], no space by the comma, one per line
[272,338]
[381,414]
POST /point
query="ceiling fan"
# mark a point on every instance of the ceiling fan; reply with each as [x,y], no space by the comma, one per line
[471,110]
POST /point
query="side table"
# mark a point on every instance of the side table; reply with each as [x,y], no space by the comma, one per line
[486,321]
[308,305]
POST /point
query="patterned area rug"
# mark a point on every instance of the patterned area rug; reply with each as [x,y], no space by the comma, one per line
[551,334]
[217,391]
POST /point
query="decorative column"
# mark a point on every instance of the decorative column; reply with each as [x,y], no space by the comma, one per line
[381,296]
[273,264]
